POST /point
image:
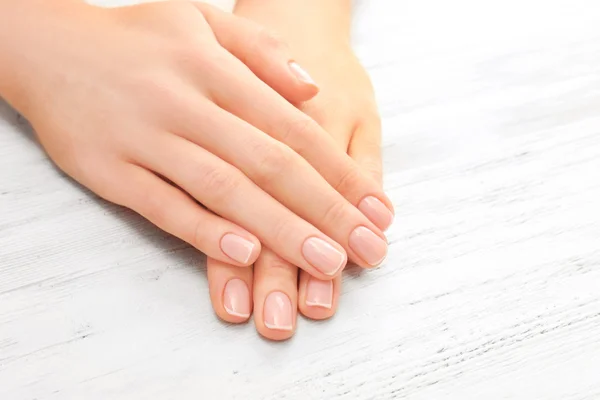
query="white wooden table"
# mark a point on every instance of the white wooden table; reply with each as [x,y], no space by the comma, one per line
[492,286]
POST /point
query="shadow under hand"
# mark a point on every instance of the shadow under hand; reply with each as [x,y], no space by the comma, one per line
[181,252]
[353,270]
[18,122]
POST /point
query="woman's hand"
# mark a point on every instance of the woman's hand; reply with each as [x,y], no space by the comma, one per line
[346,109]
[161,106]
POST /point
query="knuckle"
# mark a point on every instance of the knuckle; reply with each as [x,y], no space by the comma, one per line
[349,179]
[301,134]
[274,161]
[218,183]
[303,128]
[335,212]
[276,265]
[281,232]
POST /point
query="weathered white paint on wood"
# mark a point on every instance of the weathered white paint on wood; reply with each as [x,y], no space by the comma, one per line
[492,287]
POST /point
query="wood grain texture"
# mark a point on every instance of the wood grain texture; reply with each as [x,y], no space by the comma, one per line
[491,290]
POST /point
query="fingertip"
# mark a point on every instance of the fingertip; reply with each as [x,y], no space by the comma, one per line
[325,257]
[277,319]
[277,336]
[236,301]
[254,253]
[232,319]
[241,248]
[318,299]
[307,88]
[377,212]
[230,291]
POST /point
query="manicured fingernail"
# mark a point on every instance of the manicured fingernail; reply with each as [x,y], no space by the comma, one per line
[278,312]
[323,256]
[236,298]
[301,73]
[377,212]
[237,248]
[368,245]
[319,293]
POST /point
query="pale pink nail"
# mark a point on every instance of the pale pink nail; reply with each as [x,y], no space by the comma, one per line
[323,256]
[377,212]
[301,73]
[237,248]
[278,312]
[319,293]
[236,298]
[370,247]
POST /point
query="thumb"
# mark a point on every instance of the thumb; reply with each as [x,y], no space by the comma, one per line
[267,56]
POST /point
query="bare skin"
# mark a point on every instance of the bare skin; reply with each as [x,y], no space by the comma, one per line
[159,107]
[346,110]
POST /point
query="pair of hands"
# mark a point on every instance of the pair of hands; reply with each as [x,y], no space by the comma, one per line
[162,106]
[346,109]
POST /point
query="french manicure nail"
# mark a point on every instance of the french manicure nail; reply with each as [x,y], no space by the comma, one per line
[319,293]
[278,312]
[236,298]
[370,247]
[301,73]
[377,212]
[237,248]
[323,256]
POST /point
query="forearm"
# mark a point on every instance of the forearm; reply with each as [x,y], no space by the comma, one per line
[302,22]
